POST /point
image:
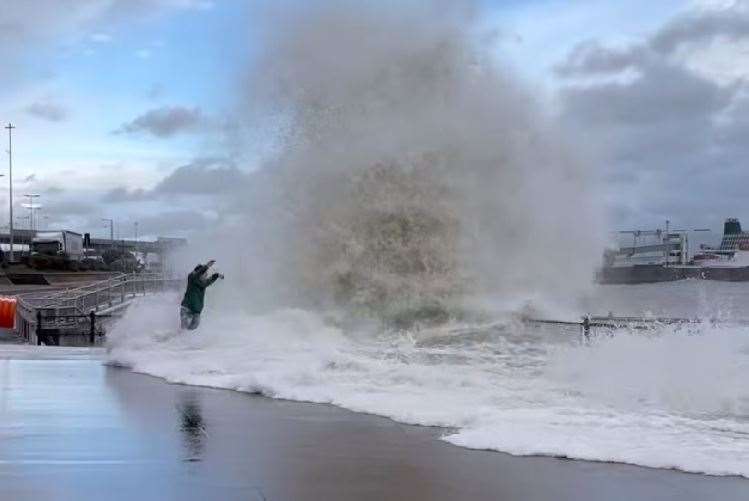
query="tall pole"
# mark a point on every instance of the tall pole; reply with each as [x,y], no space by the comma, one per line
[668,248]
[32,207]
[136,246]
[31,212]
[111,231]
[10,128]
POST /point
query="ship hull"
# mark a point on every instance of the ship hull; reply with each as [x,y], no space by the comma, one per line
[639,274]
[738,274]
[652,273]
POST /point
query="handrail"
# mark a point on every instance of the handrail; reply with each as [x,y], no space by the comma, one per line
[91,297]
[88,285]
[638,323]
[100,286]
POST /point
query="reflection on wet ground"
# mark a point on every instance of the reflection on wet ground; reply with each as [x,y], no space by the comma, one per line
[192,424]
[76,430]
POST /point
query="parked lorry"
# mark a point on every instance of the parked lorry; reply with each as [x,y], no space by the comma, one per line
[65,244]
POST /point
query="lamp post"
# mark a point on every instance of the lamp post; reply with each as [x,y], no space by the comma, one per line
[10,128]
[31,206]
[137,257]
[111,230]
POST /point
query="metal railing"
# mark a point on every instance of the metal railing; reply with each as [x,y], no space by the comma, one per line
[103,297]
[611,322]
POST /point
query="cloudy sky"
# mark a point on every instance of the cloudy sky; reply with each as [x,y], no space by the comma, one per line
[127,109]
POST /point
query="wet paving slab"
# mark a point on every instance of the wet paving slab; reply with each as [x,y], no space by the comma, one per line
[72,428]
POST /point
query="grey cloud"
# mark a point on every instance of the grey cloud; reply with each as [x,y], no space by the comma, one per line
[122,194]
[733,130]
[701,27]
[203,176]
[24,21]
[674,142]
[64,208]
[47,110]
[664,93]
[170,222]
[592,58]
[165,121]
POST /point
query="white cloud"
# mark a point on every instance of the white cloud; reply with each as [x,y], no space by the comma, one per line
[143,53]
[722,61]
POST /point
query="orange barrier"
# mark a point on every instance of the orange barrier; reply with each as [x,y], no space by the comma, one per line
[7,312]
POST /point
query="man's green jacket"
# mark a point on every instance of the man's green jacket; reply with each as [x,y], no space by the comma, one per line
[196,286]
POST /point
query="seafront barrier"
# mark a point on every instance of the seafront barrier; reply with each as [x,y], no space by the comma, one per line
[79,315]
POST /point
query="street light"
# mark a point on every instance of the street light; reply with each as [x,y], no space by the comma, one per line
[31,206]
[137,256]
[10,128]
[111,230]
[18,220]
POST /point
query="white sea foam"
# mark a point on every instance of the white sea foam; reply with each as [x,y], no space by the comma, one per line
[677,399]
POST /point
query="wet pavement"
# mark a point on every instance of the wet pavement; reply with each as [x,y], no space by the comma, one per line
[74,429]
[7,336]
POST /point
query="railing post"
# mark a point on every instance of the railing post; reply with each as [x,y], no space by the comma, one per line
[92,332]
[586,327]
[38,327]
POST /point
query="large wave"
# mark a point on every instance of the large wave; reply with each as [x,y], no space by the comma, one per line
[412,178]
[674,399]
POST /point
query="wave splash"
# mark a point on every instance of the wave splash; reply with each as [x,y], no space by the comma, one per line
[672,400]
[408,170]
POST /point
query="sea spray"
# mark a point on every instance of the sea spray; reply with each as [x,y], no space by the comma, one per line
[671,399]
[697,371]
[409,170]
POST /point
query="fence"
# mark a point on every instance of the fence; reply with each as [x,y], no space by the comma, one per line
[73,312]
[588,323]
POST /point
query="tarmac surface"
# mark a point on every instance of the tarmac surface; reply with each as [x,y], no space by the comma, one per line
[74,429]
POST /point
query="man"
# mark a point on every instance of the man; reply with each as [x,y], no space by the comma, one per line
[192,303]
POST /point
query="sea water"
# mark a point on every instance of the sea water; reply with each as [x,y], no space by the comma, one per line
[668,398]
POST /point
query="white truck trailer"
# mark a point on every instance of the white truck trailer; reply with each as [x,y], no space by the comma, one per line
[64,243]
